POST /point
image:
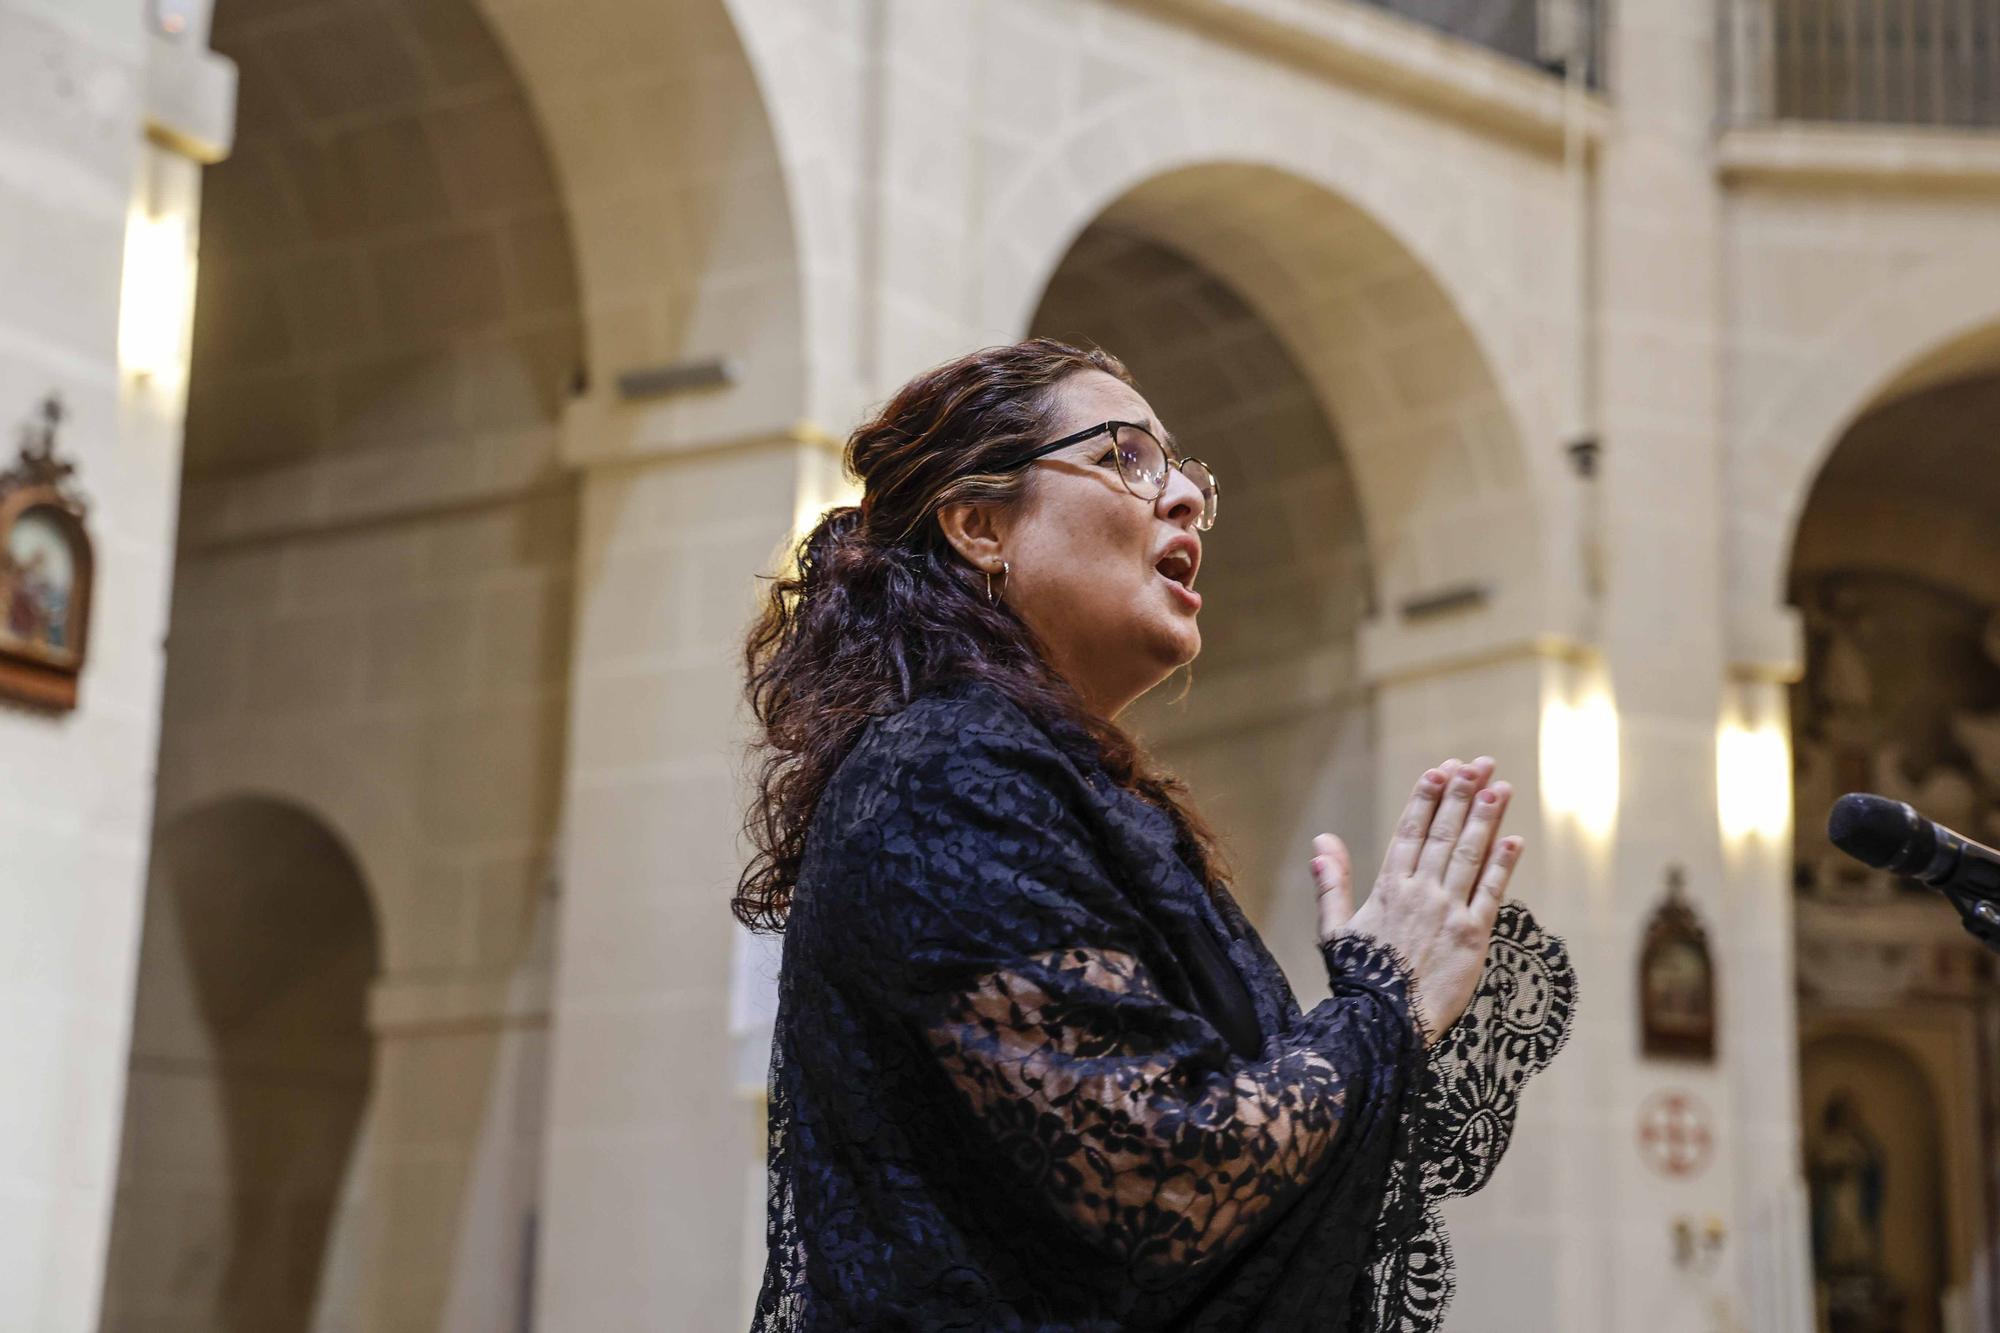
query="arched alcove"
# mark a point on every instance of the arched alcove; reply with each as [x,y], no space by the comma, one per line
[1932,327]
[1396,368]
[680,201]
[375,578]
[387,260]
[1308,350]
[251,1074]
[1874,1165]
[1274,735]
[1897,584]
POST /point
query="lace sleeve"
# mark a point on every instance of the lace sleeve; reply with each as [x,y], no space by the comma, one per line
[1460,1122]
[1126,1115]
[1026,972]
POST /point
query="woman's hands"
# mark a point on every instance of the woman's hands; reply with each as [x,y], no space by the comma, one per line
[1440,889]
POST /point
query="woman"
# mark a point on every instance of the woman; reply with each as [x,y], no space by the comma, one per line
[1033,1068]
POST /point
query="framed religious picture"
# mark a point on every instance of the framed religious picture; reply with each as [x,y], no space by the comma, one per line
[45,573]
[1676,981]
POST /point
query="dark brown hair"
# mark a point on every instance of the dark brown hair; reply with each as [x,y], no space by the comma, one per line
[880,609]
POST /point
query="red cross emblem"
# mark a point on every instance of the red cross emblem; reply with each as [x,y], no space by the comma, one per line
[1676,1134]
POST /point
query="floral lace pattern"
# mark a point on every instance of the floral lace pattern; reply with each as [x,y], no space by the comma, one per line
[1460,1121]
[997,1101]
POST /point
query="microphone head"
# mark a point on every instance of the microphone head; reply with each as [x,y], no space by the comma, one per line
[1874,830]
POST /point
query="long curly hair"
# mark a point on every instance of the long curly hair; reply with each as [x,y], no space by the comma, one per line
[879,608]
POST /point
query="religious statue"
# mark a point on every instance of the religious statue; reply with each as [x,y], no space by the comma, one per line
[1844,1172]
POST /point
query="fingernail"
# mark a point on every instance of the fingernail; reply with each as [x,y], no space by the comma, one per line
[1488,797]
[1319,865]
[1433,778]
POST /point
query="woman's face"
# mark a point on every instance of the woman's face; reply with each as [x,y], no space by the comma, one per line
[1086,555]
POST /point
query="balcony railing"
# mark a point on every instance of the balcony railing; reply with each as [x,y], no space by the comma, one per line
[1536,32]
[1872,62]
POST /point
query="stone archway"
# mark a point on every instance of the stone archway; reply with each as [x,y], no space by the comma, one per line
[1877,1165]
[1897,583]
[680,203]
[1927,328]
[1274,733]
[373,586]
[1395,305]
[1388,310]
[252,1069]
[1302,311]
[387,256]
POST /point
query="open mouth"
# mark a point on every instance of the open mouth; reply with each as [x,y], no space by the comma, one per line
[1178,566]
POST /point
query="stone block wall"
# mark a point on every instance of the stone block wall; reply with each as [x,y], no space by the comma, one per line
[76,790]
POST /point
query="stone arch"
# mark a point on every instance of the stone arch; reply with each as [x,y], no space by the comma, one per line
[348,795]
[1276,729]
[387,257]
[681,207]
[371,612]
[1891,1101]
[373,582]
[1376,282]
[252,1068]
[1891,569]
[1925,329]
[1917,462]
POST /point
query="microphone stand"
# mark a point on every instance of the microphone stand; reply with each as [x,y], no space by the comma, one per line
[1980,918]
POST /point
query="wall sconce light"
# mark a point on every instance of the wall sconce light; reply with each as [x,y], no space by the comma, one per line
[1579,744]
[1753,782]
[157,300]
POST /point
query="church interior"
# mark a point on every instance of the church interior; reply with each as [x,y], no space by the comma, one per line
[413,398]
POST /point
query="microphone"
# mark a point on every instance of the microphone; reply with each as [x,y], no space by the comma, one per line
[1890,835]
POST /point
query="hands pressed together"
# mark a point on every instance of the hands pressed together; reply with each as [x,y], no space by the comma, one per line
[1440,888]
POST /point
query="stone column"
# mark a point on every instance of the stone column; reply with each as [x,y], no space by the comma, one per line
[1663,638]
[1772,1252]
[649,1142]
[86,84]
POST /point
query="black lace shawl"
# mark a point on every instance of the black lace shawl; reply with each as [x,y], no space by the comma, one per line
[1000,1097]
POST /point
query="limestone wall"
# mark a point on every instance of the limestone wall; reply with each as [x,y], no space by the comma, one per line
[76,790]
[372,602]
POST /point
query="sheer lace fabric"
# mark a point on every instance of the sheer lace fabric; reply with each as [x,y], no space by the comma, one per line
[996,1101]
[1157,1162]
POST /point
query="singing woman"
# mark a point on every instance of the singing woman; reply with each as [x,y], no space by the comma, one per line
[1033,1068]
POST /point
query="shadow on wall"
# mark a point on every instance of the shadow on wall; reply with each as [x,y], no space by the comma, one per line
[250,1074]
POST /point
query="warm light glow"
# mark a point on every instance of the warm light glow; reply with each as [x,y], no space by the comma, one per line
[1753,783]
[1580,761]
[815,500]
[158,298]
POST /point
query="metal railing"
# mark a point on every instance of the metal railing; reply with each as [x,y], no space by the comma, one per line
[1871,62]
[1536,32]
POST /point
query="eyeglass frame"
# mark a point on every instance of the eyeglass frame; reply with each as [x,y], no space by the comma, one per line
[1103,427]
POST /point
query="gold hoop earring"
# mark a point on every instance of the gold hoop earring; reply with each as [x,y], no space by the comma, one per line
[1005,570]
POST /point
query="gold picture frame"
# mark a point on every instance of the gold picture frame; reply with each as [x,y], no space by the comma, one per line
[47,571]
[1676,981]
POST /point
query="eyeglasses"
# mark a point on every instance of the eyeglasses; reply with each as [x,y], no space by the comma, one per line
[1143,464]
